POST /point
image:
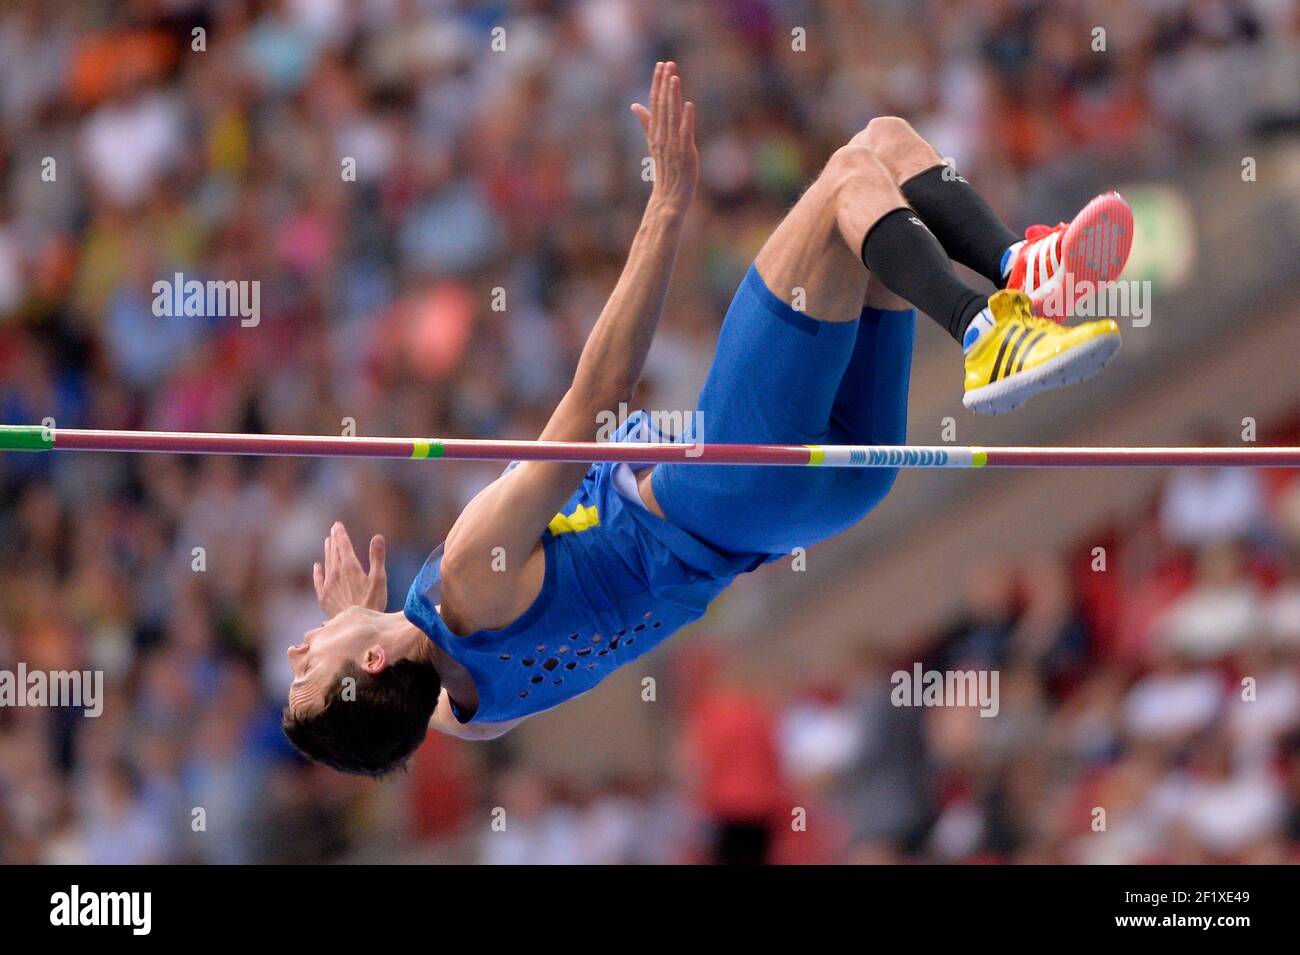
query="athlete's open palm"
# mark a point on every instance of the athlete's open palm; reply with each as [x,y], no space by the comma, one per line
[341,583]
[669,126]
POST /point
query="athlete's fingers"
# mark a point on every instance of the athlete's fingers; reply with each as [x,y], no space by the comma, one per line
[654,90]
[688,123]
[661,108]
[345,547]
[674,105]
[378,573]
[643,115]
[672,97]
[657,104]
[329,555]
[318,580]
[335,566]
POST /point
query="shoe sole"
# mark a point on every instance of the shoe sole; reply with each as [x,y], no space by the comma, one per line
[1075,366]
[1094,250]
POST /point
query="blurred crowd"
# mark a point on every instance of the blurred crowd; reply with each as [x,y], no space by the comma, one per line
[435,197]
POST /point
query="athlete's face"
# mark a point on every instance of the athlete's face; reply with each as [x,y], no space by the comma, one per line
[317,661]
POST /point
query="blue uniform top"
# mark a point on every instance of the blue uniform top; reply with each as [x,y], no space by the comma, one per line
[619,580]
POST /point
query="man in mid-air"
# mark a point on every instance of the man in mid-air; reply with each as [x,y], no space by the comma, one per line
[603,562]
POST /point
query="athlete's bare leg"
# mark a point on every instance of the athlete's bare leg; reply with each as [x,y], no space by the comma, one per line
[811,261]
[900,147]
[881,298]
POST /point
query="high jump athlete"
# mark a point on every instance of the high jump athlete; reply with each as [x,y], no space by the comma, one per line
[603,562]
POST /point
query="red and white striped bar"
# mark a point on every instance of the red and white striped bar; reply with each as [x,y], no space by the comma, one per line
[37,438]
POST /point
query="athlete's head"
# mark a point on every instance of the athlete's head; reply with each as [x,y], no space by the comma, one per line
[362,694]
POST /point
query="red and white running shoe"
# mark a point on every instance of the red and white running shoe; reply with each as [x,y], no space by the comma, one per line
[1056,267]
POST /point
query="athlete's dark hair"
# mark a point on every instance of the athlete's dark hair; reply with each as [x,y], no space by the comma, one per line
[375,731]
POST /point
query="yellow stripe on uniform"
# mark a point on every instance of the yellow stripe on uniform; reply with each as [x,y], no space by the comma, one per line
[582,519]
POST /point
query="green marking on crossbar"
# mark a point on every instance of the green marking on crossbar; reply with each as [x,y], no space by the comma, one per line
[25,437]
[427,449]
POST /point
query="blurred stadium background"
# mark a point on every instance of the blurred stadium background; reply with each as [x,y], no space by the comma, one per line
[520,169]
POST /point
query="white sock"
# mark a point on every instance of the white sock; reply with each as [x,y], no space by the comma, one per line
[1009,256]
[979,326]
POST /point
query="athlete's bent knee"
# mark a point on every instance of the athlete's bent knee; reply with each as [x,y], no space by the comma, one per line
[855,165]
[888,134]
[900,147]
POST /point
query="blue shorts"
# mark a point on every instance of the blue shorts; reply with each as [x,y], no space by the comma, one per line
[781,377]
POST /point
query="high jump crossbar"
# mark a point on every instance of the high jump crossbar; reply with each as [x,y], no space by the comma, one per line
[41,438]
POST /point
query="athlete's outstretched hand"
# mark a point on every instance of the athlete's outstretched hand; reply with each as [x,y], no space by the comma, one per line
[669,126]
[341,583]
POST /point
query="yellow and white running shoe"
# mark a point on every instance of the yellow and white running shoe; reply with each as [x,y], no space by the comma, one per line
[1012,355]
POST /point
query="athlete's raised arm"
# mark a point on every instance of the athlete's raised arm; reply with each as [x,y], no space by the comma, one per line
[616,349]
[483,587]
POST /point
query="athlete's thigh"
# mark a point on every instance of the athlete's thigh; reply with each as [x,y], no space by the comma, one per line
[774,378]
[871,404]
[806,263]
